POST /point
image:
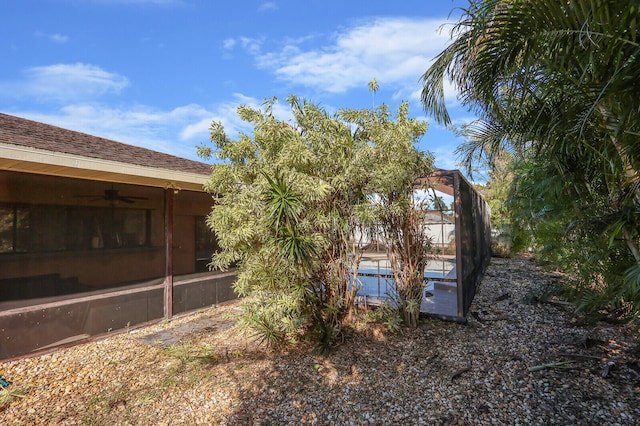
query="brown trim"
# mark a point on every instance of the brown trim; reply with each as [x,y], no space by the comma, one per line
[180,280]
[168,243]
[64,302]
[94,338]
[440,180]
[459,259]
[102,336]
[116,173]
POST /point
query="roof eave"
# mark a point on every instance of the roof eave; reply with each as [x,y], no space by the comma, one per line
[32,160]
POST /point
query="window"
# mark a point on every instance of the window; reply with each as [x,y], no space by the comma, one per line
[7,227]
[206,244]
[47,228]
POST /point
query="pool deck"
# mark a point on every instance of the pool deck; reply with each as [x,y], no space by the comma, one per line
[444,302]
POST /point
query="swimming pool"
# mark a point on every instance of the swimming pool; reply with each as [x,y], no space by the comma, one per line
[375,276]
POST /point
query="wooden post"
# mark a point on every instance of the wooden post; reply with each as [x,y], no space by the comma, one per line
[168,245]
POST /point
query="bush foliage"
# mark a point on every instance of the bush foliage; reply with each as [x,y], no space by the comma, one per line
[291,201]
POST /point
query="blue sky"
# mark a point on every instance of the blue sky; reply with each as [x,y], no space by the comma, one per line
[156,73]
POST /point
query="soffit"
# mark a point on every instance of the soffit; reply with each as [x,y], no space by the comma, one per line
[32,160]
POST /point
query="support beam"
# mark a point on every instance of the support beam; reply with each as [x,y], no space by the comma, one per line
[460,265]
[440,180]
[168,244]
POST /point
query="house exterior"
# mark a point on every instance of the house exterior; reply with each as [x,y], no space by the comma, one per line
[97,236]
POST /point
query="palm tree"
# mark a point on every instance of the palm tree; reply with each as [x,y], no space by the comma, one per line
[555,84]
[373,87]
[528,53]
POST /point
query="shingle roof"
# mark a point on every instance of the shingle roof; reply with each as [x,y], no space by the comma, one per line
[33,134]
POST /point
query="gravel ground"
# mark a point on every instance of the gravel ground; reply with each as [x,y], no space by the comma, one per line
[513,363]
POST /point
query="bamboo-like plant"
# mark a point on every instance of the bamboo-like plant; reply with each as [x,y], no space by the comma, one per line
[288,201]
[395,164]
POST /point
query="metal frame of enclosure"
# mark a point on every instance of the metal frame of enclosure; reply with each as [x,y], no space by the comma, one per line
[472,248]
[473,241]
[458,262]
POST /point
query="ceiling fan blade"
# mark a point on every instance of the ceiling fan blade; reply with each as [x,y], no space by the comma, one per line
[90,197]
[125,200]
[112,195]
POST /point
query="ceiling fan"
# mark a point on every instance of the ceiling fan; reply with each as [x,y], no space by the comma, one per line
[113,196]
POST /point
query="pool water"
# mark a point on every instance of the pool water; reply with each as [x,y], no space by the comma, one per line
[384,285]
[378,280]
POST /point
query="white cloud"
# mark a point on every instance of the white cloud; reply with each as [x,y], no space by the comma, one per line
[459,121]
[59,38]
[227,114]
[396,51]
[177,131]
[269,5]
[137,125]
[198,128]
[56,38]
[444,156]
[251,45]
[65,82]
